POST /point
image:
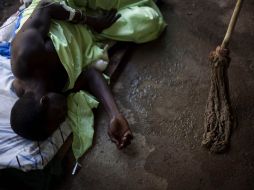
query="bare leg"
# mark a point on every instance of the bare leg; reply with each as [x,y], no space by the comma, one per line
[118,131]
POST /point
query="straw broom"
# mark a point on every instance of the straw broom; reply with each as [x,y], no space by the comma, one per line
[219,118]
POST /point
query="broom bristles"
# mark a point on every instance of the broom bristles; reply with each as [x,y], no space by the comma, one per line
[218,113]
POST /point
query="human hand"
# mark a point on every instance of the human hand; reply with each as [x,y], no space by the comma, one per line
[119,131]
[103,20]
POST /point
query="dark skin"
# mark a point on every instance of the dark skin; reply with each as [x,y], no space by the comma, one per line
[38,69]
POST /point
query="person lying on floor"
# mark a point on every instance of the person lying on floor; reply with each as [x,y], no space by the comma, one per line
[54,51]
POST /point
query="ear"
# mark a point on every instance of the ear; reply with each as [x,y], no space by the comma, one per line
[44,101]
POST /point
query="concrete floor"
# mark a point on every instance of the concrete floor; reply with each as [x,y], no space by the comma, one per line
[163,92]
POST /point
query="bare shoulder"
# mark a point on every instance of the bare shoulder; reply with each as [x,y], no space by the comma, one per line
[27,48]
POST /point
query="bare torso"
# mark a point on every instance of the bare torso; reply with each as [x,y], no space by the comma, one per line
[35,59]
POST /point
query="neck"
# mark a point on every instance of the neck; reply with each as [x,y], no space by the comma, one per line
[38,88]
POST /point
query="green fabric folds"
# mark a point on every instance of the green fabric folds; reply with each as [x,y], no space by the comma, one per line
[81,120]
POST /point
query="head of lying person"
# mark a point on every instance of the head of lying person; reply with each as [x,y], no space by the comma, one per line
[36,119]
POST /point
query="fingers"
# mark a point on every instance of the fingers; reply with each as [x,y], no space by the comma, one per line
[106,19]
[113,11]
[119,132]
[126,140]
[113,139]
[122,142]
[111,17]
[116,18]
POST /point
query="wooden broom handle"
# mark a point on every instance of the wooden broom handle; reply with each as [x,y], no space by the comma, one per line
[232,24]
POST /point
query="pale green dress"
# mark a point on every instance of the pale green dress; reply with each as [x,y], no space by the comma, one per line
[78,47]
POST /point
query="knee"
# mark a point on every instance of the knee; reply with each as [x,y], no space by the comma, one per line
[91,72]
[150,24]
[149,14]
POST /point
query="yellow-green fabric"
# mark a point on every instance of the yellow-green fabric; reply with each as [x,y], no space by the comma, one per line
[80,104]
[78,47]
[141,20]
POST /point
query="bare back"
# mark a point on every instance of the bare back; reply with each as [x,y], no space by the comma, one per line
[34,56]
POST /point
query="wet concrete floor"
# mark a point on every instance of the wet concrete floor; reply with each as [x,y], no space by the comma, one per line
[163,91]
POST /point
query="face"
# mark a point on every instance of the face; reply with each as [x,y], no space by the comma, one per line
[56,106]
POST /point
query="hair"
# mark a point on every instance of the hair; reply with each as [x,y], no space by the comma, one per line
[28,119]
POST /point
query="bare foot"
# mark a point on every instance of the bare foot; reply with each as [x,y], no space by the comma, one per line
[119,131]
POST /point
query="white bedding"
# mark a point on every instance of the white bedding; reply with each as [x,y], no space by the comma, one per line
[15,151]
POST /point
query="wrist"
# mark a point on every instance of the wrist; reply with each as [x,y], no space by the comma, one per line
[79,17]
[88,20]
[115,114]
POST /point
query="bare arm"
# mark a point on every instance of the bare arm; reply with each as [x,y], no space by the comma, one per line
[93,81]
[41,17]
[45,11]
